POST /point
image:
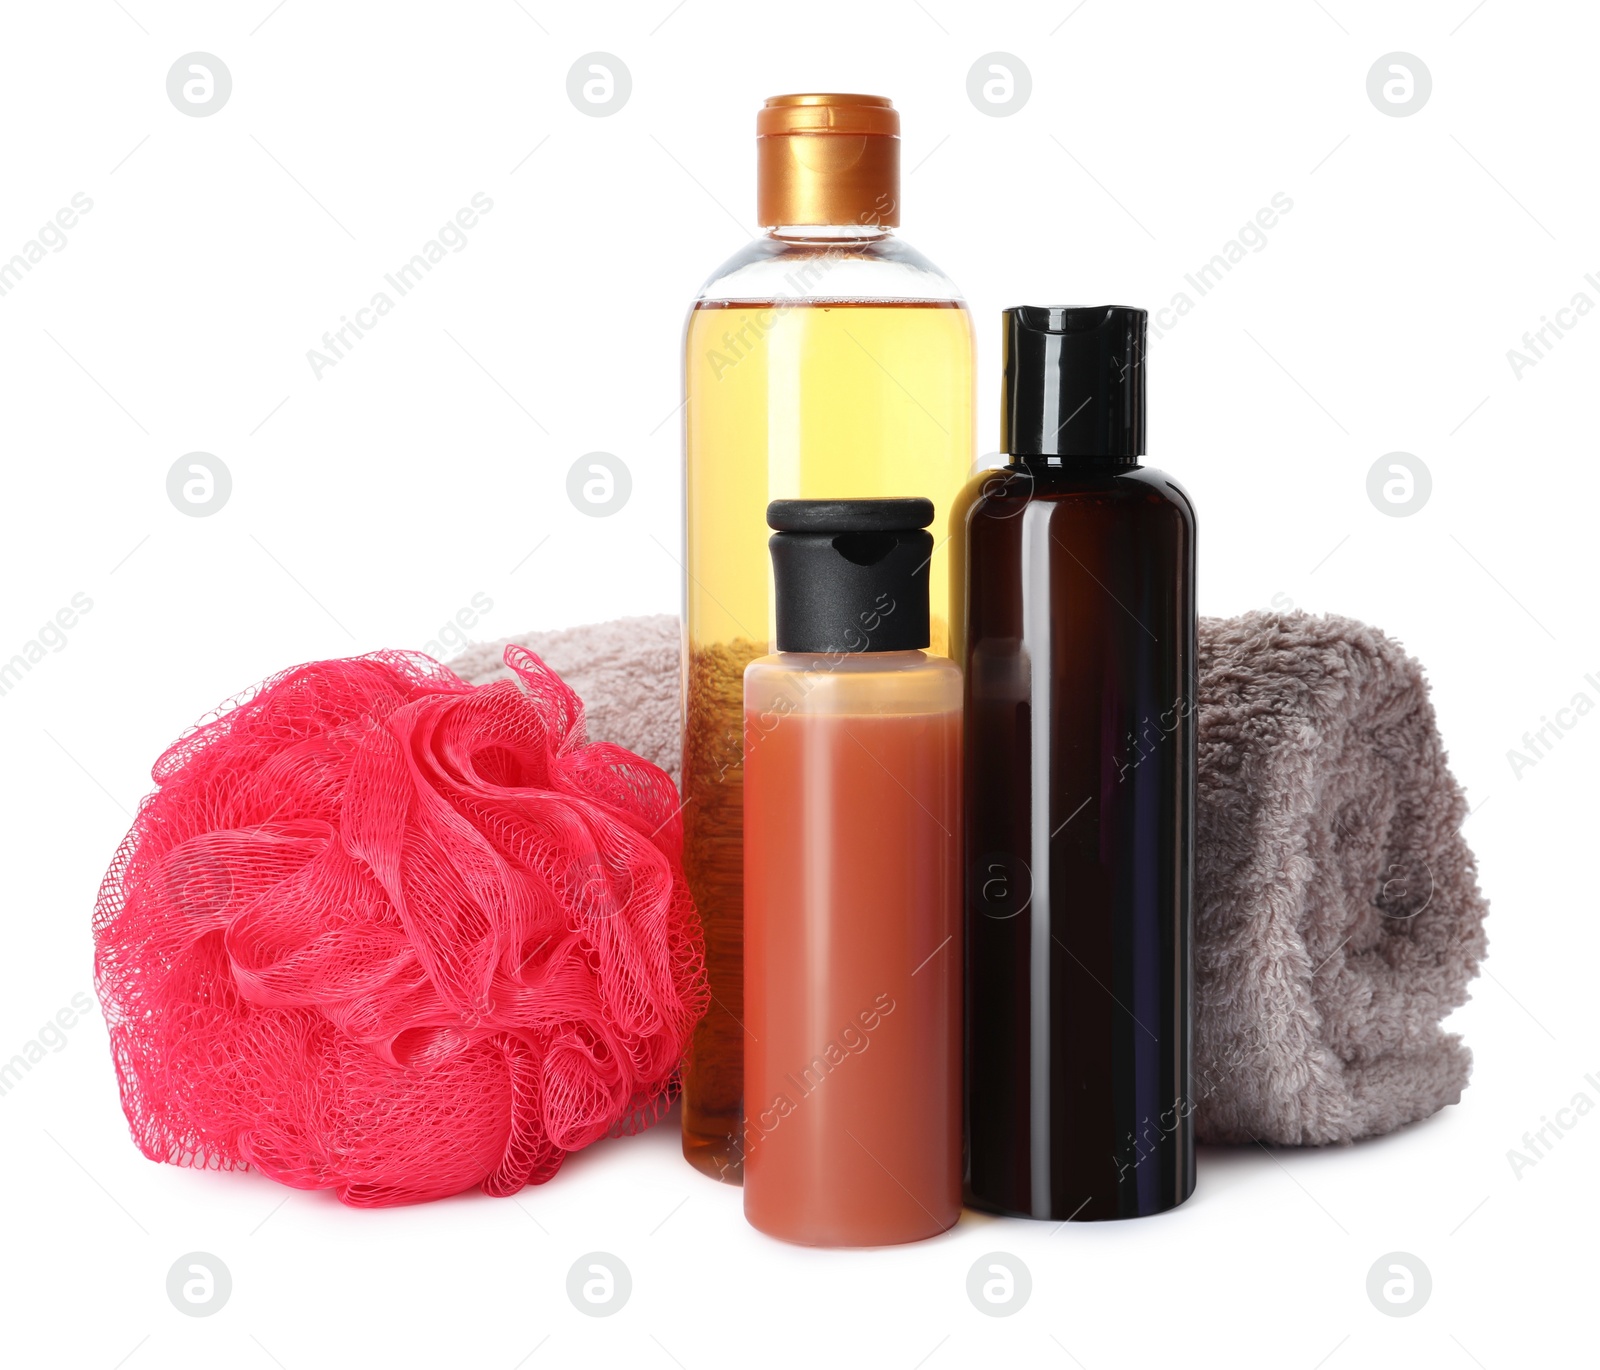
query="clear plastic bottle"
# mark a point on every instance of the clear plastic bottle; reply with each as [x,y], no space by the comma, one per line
[827,359]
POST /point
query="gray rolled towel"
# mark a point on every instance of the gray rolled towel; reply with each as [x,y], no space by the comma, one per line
[1337,913]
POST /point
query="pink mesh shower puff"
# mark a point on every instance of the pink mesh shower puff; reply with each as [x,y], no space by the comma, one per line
[383,932]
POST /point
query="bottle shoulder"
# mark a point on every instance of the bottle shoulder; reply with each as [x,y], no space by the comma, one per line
[855,683]
[771,268]
[1003,492]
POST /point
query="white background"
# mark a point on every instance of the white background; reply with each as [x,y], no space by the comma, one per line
[371,504]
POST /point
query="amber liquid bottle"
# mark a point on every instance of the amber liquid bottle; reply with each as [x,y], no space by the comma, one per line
[852,875]
[826,359]
[1080,692]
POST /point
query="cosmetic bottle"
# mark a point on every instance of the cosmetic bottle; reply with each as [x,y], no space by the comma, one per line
[1079,656]
[827,358]
[852,908]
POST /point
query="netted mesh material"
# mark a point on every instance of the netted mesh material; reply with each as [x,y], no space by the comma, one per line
[383,932]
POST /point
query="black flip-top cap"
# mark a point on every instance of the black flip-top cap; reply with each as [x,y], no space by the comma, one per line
[851,575]
[1073,382]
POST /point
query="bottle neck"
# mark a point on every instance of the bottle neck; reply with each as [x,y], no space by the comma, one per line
[829,233]
[1035,462]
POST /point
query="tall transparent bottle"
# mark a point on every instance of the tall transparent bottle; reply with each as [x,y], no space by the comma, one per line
[827,359]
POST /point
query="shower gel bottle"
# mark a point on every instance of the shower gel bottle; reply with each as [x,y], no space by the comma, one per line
[852,882]
[826,359]
[1080,691]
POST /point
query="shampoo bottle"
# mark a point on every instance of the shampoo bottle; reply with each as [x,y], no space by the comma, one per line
[826,359]
[1079,649]
[852,952]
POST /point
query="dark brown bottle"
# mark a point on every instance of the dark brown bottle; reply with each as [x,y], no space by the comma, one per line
[1079,633]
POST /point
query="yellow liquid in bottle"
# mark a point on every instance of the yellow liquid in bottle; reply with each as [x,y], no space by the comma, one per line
[822,400]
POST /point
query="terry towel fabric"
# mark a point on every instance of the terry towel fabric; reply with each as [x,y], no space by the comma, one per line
[1337,913]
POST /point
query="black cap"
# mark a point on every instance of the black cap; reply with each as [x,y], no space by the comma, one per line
[851,574]
[1074,382]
